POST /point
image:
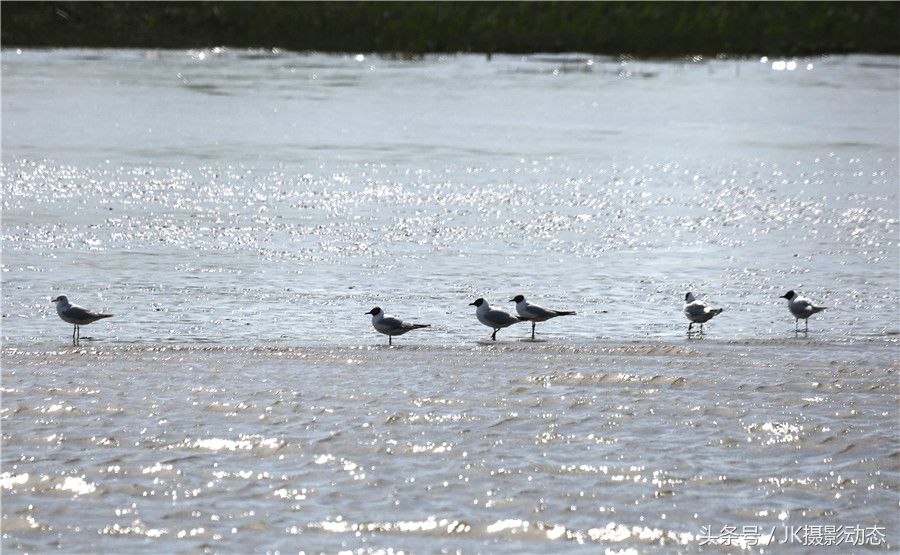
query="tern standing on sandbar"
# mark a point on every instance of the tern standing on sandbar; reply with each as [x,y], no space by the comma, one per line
[76,315]
[493,318]
[698,312]
[801,308]
[535,313]
[390,325]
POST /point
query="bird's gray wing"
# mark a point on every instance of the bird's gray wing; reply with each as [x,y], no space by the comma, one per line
[395,323]
[695,309]
[499,317]
[535,311]
[79,313]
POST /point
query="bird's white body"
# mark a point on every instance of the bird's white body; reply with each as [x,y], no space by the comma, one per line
[803,308]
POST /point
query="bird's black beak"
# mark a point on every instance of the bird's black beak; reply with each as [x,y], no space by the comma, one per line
[512,300]
[472,304]
[784,297]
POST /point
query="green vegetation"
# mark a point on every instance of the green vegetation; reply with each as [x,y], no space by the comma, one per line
[635,28]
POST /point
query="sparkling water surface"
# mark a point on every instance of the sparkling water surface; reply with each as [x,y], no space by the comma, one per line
[240,211]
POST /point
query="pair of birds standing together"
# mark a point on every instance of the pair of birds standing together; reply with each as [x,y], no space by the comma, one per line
[699,312]
[490,317]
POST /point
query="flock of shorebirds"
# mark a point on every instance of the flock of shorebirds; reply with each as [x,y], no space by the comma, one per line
[695,310]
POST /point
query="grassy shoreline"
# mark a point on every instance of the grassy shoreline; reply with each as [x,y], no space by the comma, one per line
[652,29]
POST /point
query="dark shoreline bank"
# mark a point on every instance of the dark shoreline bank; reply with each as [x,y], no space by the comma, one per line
[648,29]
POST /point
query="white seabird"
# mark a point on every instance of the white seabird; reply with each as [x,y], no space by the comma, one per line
[801,308]
[390,325]
[535,313]
[698,312]
[76,315]
[493,318]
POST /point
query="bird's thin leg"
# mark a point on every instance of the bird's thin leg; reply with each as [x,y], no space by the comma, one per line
[701,328]
[796,325]
[74,329]
[532,330]
[390,340]
[494,335]
[690,325]
[806,326]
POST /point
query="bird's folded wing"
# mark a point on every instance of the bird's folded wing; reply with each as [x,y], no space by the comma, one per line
[500,317]
[538,312]
[80,313]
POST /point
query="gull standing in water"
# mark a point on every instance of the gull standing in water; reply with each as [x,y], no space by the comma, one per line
[535,313]
[391,326]
[801,308]
[493,318]
[76,315]
[698,312]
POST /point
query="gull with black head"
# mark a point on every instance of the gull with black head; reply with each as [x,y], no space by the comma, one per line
[493,318]
[698,312]
[76,315]
[535,313]
[390,325]
[801,308]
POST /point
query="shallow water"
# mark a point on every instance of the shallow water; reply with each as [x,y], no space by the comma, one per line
[510,448]
[203,197]
[239,211]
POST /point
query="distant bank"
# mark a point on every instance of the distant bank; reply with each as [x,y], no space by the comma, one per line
[637,28]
